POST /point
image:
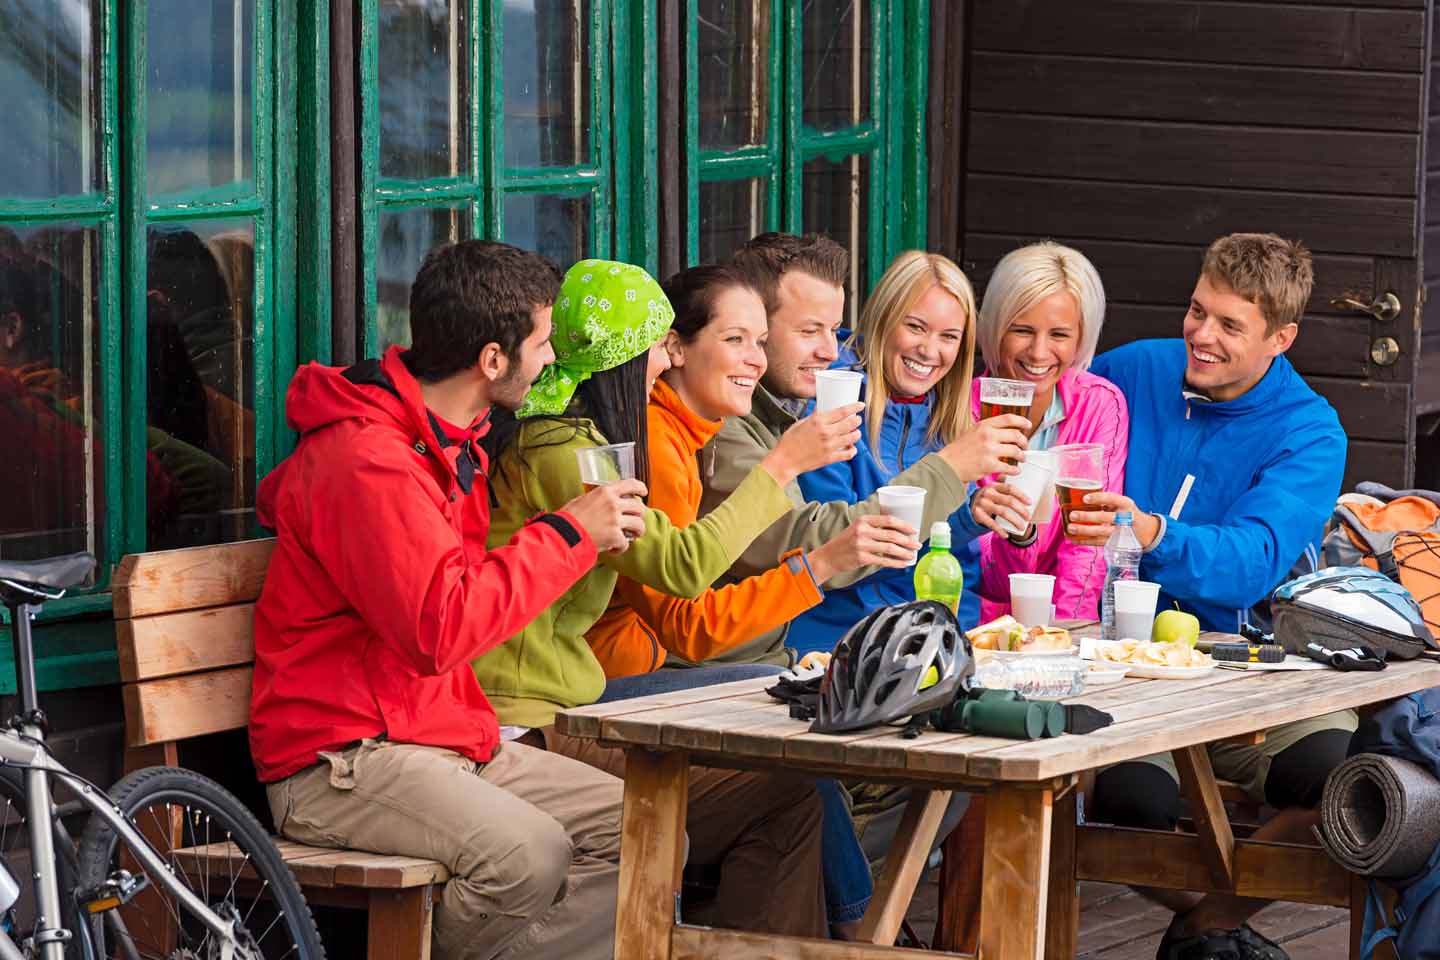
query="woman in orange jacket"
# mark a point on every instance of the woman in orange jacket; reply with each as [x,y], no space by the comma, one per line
[717,356]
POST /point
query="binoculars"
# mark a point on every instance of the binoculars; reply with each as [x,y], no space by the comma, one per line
[1000,713]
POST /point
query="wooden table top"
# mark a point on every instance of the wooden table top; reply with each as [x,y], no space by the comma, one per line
[738,723]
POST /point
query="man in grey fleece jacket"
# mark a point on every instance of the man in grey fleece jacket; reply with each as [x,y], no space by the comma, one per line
[802,279]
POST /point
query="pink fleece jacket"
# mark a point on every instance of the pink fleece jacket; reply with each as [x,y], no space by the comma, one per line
[1095,412]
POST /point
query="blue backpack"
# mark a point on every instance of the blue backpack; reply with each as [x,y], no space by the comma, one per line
[1408,728]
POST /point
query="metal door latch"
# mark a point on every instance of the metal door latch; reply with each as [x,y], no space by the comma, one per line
[1385,308]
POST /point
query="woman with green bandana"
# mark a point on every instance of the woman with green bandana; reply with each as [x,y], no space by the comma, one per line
[608,324]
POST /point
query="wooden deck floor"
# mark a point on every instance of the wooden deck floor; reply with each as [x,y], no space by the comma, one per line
[1117,924]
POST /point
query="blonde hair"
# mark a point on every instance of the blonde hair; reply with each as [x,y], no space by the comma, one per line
[1028,275]
[1271,272]
[908,278]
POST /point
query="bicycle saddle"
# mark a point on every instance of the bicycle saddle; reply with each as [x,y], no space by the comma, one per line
[26,581]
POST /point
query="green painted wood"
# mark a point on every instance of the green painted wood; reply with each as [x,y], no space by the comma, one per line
[492,44]
[312,44]
[68,654]
[111,298]
[284,250]
[635,71]
[559,178]
[131,371]
[249,206]
[690,144]
[914,171]
[87,207]
[367,59]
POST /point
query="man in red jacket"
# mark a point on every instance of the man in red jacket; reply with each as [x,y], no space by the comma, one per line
[366,721]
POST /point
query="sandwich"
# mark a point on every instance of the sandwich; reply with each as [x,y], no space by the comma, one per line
[1009,634]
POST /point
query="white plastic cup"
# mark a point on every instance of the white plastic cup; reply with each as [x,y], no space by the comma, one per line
[1135,608]
[1045,506]
[907,504]
[836,388]
[601,465]
[1030,595]
[1032,480]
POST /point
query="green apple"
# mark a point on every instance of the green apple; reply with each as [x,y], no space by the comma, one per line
[1175,626]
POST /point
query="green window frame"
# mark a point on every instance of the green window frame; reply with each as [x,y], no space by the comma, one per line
[122,211]
[478,191]
[891,139]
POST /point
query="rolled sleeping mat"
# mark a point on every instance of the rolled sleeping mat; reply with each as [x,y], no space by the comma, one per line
[1380,816]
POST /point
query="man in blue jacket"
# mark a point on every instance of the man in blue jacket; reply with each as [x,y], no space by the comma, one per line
[1223,405]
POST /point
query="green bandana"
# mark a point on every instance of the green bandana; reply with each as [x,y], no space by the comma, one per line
[607,313]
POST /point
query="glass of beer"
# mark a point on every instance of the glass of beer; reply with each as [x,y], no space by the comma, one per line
[1005,396]
[1079,469]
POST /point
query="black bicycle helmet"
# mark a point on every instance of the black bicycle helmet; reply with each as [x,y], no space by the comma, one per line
[1351,606]
[897,662]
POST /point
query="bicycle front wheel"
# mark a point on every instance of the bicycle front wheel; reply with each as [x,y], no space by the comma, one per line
[215,848]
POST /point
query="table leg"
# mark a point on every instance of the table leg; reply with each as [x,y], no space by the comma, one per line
[652,841]
[903,866]
[1062,925]
[961,879]
[1017,863]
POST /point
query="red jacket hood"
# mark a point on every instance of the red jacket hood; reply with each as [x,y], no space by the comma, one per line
[381,392]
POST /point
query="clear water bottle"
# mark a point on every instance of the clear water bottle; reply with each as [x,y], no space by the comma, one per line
[1122,562]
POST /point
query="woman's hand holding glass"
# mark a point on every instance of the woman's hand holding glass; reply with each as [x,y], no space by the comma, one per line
[817,441]
[990,504]
[994,446]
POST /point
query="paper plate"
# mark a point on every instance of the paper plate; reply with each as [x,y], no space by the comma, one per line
[1069,651]
[1151,671]
[1104,673]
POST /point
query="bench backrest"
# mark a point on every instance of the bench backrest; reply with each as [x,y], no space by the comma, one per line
[184,629]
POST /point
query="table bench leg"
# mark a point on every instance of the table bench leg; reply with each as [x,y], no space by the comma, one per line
[652,840]
[904,865]
[400,923]
[1017,864]
[1062,925]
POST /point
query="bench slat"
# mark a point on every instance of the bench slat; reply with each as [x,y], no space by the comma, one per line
[182,707]
[167,581]
[174,643]
[320,866]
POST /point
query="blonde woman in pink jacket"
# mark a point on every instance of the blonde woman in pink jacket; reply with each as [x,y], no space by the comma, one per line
[1040,321]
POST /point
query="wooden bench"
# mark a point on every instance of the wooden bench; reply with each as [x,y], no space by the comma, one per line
[184,632]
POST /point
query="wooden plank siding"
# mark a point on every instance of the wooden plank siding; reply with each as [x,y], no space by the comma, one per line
[1138,132]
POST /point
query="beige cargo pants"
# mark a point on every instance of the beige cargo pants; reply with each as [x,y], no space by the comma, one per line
[531,839]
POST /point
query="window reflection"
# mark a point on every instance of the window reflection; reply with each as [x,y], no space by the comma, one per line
[199,87]
[52,493]
[50,87]
[405,237]
[547,83]
[200,406]
[731,212]
[834,201]
[835,63]
[558,227]
[732,39]
[424,88]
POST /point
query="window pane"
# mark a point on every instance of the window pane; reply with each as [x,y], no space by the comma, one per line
[199,88]
[834,198]
[731,212]
[733,60]
[200,382]
[52,493]
[547,83]
[558,227]
[405,237]
[835,63]
[424,90]
[50,78]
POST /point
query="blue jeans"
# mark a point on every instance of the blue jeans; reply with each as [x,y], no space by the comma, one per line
[848,885]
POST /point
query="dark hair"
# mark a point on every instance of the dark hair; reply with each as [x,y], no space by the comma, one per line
[693,293]
[769,256]
[615,400]
[471,294]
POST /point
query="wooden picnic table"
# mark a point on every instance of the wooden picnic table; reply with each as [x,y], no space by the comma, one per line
[1033,851]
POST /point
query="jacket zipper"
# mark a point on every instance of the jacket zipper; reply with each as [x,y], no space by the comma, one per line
[654,648]
[904,438]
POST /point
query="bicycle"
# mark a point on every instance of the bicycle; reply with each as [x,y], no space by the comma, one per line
[136,886]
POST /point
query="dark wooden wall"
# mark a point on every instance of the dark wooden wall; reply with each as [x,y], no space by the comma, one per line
[1139,130]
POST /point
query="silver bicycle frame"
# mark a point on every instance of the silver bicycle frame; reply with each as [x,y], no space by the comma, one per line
[26,751]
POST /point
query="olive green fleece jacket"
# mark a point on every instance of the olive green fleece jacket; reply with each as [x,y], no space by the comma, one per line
[738,447]
[548,666]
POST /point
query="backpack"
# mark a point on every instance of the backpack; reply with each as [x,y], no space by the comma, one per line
[1408,728]
[1401,539]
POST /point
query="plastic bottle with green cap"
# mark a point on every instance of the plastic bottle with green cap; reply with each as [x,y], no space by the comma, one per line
[938,575]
